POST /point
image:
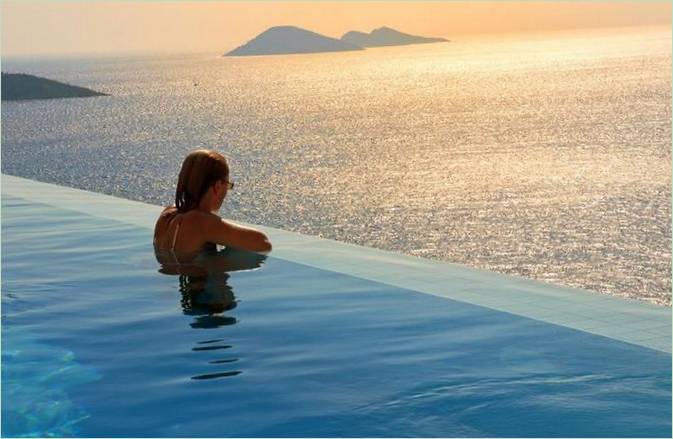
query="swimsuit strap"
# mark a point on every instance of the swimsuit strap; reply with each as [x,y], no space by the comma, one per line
[175,238]
[175,235]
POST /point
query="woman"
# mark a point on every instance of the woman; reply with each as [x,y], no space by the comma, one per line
[192,225]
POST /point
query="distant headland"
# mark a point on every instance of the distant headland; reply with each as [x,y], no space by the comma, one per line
[279,40]
[20,86]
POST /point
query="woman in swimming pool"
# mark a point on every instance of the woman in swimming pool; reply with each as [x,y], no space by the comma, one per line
[192,225]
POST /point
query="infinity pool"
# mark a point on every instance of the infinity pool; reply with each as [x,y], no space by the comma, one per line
[97,342]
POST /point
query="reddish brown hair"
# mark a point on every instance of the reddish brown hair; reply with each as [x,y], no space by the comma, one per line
[200,170]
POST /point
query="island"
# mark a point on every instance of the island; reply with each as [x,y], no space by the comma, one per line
[21,86]
[385,36]
[279,40]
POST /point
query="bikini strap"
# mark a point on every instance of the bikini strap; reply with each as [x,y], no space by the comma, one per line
[175,235]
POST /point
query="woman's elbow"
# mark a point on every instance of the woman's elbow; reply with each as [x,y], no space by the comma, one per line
[264,245]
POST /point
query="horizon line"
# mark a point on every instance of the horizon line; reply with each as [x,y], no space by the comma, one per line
[206,51]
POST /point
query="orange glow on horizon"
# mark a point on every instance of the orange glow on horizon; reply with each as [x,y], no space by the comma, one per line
[39,27]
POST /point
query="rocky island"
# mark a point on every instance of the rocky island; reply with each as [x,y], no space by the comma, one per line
[385,36]
[283,40]
[290,39]
[20,86]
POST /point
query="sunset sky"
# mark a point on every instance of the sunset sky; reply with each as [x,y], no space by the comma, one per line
[81,27]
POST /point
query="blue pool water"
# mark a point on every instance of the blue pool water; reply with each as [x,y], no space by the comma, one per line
[96,342]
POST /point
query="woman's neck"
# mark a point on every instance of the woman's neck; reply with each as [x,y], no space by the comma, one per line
[206,204]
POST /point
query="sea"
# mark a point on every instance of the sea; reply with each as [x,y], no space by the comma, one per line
[543,155]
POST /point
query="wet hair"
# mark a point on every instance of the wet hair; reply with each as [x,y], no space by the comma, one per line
[201,169]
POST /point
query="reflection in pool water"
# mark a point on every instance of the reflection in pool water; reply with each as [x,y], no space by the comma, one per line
[205,292]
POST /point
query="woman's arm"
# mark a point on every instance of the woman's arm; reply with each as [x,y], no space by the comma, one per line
[229,234]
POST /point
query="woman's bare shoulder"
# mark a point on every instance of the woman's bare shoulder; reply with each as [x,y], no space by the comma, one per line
[164,218]
[168,210]
[201,218]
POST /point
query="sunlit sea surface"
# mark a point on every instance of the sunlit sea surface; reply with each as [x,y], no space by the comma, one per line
[546,156]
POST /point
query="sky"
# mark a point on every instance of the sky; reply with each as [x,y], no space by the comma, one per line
[52,27]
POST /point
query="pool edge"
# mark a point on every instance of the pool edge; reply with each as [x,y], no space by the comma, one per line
[627,320]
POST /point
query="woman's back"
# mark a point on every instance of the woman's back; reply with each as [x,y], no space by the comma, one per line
[180,232]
